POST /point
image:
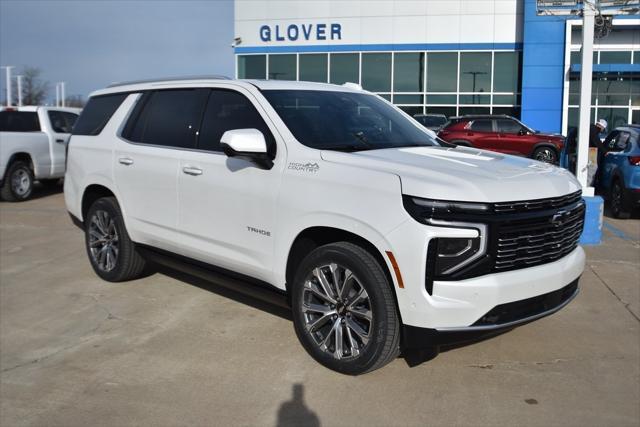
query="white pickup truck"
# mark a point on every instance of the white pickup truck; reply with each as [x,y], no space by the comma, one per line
[32,147]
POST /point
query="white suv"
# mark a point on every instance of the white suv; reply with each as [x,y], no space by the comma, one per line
[382,238]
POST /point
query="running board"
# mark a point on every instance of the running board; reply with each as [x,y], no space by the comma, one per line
[243,285]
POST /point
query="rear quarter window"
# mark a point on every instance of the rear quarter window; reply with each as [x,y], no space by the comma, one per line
[97,113]
[19,121]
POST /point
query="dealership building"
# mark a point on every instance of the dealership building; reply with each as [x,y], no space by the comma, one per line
[452,57]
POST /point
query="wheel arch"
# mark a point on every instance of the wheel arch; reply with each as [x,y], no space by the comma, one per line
[19,156]
[92,193]
[313,237]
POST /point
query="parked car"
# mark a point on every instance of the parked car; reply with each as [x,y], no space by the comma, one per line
[503,134]
[33,148]
[620,176]
[381,239]
[431,121]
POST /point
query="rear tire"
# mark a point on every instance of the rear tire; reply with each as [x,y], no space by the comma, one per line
[344,311]
[18,182]
[113,256]
[619,205]
[545,155]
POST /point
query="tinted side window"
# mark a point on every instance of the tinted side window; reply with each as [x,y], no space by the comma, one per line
[96,114]
[19,121]
[61,122]
[481,126]
[508,126]
[228,110]
[170,118]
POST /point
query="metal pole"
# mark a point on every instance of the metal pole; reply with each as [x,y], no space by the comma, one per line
[19,91]
[586,75]
[8,68]
[57,94]
[62,93]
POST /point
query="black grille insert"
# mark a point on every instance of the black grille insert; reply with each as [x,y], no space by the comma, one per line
[518,310]
[522,243]
[539,204]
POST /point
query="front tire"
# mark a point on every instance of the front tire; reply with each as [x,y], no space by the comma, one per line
[18,183]
[112,254]
[619,204]
[344,310]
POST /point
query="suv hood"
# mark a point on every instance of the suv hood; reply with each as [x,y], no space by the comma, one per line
[463,174]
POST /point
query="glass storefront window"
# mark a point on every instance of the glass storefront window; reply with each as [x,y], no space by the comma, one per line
[474,110]
[252,66]
[506,99]
[475,99]
[614,116]
[344,68]
[376,72]
[508,111]
[475,72]
[442,71]
[282,67]
[612,90]
[408,72]
[408,99]
[636,56]
[447,111]
[506,72]
[313,67]
[442,99]
[607,57]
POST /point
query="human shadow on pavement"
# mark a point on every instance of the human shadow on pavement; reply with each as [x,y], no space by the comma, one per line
[294,412]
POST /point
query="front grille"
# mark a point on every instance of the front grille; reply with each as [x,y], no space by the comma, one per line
[523,309]
[540,204]
[538,239]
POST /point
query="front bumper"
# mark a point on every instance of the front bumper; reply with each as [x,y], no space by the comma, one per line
[499,319]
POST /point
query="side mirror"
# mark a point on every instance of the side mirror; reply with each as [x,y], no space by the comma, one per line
[247,144]
[522,132]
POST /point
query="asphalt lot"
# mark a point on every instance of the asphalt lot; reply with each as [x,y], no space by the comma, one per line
[171,350]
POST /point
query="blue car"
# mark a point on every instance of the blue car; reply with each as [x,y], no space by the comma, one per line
[620,177]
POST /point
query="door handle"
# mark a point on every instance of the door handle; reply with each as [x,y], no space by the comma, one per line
[125,161]
[192,171]
[60,141]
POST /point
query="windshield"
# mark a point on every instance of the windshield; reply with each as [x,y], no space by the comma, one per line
[345,121]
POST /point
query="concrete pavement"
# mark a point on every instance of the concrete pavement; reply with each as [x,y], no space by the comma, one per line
[172,350]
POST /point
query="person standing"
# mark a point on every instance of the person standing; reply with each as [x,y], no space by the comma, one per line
[594,142]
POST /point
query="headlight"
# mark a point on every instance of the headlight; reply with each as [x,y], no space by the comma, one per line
[451,254]
[424,210]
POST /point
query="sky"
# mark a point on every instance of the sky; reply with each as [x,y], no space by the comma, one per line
[91,43]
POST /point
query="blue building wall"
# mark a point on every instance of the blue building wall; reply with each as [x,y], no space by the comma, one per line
[542,69]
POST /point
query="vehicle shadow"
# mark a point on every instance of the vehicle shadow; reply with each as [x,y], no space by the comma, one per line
[294,412]
[243,296]
[277,304]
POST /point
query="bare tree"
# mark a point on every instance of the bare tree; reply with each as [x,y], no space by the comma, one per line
[34,89]
[75,101]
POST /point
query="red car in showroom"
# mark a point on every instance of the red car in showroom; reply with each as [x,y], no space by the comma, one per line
[504,134]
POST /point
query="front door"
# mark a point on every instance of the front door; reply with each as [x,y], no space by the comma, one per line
[227,206]
[61,124]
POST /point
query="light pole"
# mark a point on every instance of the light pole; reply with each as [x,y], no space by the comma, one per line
[19,78]
[8,68]
[475,74]
[62,94]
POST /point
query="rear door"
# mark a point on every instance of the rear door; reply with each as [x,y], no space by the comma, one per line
[481,135]
[147,160]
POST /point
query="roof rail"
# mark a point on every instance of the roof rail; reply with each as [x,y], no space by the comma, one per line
[170,79]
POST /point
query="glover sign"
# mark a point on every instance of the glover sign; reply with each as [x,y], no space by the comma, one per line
[294,32]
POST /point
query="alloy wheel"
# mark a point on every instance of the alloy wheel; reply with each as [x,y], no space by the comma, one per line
[337,311]
[20,182]
[103,240]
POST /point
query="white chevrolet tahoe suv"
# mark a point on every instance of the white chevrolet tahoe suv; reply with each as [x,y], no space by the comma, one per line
[382,238]
[33,142]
